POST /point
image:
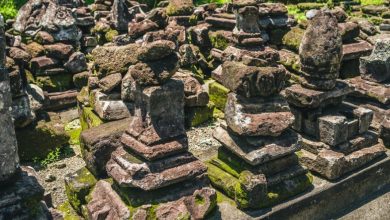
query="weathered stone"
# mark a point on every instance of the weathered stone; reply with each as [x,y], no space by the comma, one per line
[258,150]
[76,63]
[22,197]
[35,49]
[321,52]
[376,67]
[157,151]
[111,59]
[99,142]
[119,15]
[38,139]
[340,14]
[127,171]
[110,82]
[218,22]
[247,30]
[195,95]
[55,83]
[19,55]
[267,54]
[81,79]
[105,203]
[180,7]
[156,50]
[349,31]
[22,114]
[154,121]
[77,187]
[44,37]
[250,81]
[110,109]
[333,165]
[257,116]
[385,132]
[308,98]
[355,50]
[155,72]
[51,71]
[40,63]
[60,100]
[332,129]
[138,29]
[9,148]
[371,90]
[218,95]
[59,50]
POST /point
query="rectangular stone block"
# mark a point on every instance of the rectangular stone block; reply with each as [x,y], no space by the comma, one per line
[333,129]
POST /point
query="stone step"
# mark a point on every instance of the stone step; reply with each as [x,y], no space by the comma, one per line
[127,171]
[356,50]
[153,152]
[333,165]
[259,150]
[370,90]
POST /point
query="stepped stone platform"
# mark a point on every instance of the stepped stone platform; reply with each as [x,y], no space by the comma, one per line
[326,200]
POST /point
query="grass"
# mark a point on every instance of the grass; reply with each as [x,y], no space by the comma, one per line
[372,2]
[8,9]
[298,14]
[200,2]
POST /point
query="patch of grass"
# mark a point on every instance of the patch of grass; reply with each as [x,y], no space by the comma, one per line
[8,9]
[372,2]
[298,14]
[220,2]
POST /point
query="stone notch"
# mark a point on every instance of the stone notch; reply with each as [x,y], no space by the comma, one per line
[321,52]
[9,159]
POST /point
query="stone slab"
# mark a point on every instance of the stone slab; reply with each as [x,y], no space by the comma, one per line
[325,201]
[258,150]
[356,50]
[308,98]
[370,90]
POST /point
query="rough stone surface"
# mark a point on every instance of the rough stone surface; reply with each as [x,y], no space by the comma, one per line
[320,52]
[106,204]
[376,67]
[108,83]
[76,63]
[8,147]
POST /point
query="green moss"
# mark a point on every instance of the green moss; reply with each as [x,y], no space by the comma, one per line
[376,20]
[175,10]
[218,114]
[199,200]
[293,38]
[222,180]
[218,95]
[310,5]
[68,212]
[89,118]
[218,40]
[111,34]
[74,129]
[195,116]
[78,186]
[55,83]
[299,153]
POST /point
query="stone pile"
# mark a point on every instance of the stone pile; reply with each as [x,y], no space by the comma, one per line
[257,158]
[153,158]
[20,192]
[337,138]
[372,87]
[43,50]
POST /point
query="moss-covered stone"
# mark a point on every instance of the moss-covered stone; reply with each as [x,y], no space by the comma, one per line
[77,186]
[68,212]
[218,40]
[73,128]
[276,35]
[293,38]
[218,114]
[218,95]
[195,116]
[180,7]
[234,181]
[89,118]
[111,34]
[376,20]
[83,96]
[40,138]
[310,5]
[386,14]
[55,83]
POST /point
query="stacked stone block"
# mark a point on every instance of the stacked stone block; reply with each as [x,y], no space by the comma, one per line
[337,138]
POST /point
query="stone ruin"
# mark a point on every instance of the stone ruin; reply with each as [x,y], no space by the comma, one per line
[20,193]
[337,138]
[257,157]
[141,76]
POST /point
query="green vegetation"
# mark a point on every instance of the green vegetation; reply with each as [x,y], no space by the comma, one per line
[200,2]
[371,2]
[298,14]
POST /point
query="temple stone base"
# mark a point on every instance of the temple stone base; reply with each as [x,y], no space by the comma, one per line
[327,200]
